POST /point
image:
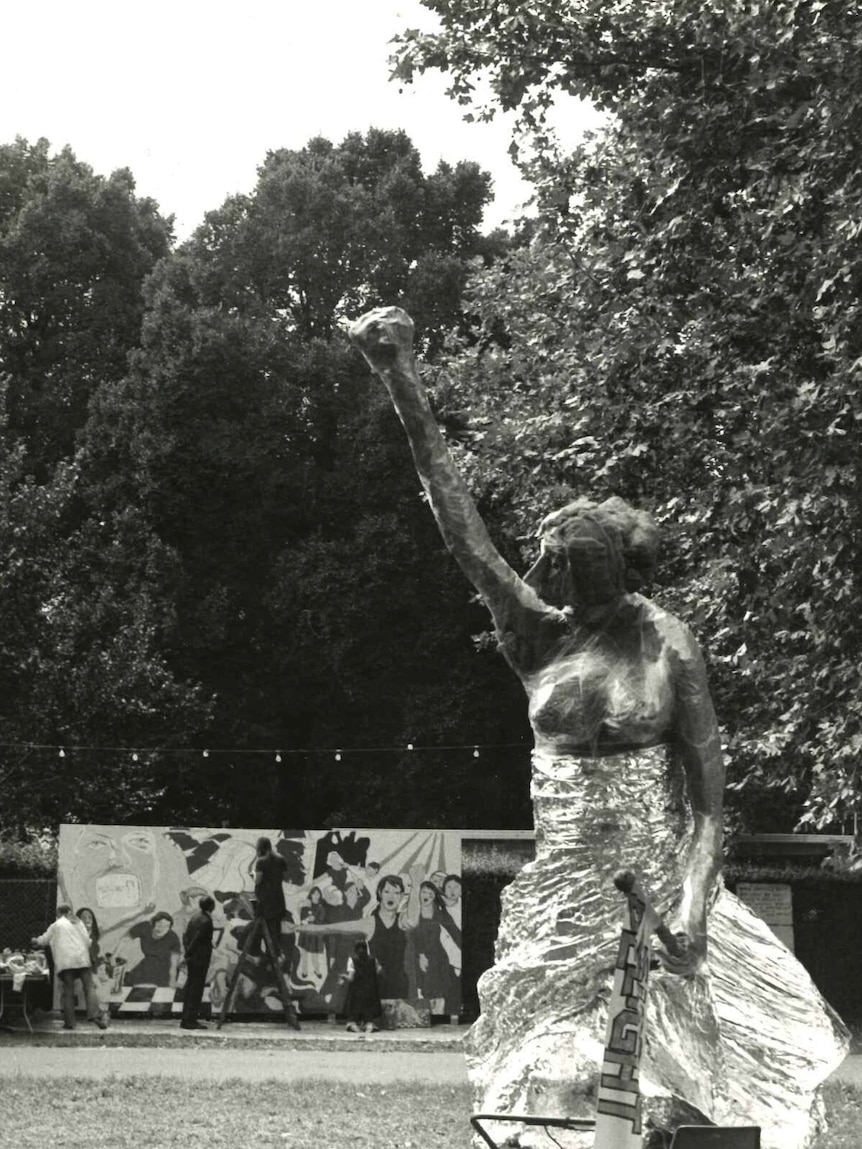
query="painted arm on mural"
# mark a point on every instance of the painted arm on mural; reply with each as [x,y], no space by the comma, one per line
[385,338]
[123,923]
[408,917]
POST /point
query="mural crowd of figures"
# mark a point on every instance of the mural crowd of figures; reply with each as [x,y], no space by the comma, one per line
[137,887]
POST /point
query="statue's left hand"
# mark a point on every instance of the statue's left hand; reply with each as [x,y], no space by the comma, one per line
[687,954]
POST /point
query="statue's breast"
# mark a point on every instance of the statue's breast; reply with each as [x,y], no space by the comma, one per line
[586,697]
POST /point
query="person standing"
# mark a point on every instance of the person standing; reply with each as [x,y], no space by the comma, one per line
[69,942]
[88,920]
[362,1006]
[270,873]
[198,948]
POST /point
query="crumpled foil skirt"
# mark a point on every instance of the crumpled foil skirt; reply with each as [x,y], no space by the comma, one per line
[748,1041]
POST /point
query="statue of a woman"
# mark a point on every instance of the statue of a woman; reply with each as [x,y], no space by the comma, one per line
[627,775]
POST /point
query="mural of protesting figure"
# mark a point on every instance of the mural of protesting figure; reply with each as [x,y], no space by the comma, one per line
[142,884]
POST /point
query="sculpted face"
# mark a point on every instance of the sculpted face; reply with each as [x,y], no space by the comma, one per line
[594,573]
[580,565]
[592,553]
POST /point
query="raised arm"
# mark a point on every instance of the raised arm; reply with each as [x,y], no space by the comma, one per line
[385,338]
[364,926]
[127,921]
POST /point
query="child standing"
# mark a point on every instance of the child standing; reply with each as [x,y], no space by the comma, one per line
[362,1005]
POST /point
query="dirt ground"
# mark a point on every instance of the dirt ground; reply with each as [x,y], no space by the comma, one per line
[249,1051]
[366,1065]
[252,1052]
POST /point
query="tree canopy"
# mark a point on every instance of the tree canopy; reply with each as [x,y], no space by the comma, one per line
[75,248]
[254,447]
[685,331]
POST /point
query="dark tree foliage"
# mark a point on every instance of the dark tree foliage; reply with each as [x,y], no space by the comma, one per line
[86,599]
[331,230]
[685,331]
[314,600]
[85,613]
[75,248]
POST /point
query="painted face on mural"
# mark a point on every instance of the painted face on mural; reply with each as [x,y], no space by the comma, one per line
[190,897]
[117,867]
[391,893]
[161,926]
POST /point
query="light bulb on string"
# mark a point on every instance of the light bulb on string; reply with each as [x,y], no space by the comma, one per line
[337,755]
[135,756]
[205,754]
[62,753]
[278,755]
[409,745]
[475,751]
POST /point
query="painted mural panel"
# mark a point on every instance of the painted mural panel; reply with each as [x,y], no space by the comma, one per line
[399,890]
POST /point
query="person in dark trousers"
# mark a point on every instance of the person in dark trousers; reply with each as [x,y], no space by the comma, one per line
[270,871]
[198,948]
[363,1005]
[70,947]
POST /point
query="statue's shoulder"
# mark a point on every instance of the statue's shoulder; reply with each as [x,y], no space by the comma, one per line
[671,629]
[527,638]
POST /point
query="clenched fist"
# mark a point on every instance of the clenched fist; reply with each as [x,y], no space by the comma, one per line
[385,338]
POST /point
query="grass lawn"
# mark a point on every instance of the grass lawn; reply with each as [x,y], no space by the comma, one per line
[153,1112]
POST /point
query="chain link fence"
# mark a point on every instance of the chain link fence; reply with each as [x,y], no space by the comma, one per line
[27,908]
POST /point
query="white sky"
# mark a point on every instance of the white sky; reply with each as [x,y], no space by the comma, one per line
[191,95]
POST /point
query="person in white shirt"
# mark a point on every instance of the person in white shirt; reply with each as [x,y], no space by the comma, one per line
[70,949]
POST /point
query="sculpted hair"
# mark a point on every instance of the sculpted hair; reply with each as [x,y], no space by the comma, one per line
[630,536]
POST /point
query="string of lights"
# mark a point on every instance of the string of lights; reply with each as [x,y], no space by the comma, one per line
[336,752]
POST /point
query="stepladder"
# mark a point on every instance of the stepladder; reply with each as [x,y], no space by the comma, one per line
[259,932]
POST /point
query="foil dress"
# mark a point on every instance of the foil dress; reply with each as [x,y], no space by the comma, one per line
[748,1041]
